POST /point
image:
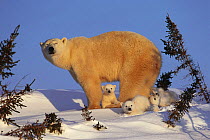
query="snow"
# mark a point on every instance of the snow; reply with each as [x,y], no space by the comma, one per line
[67,104]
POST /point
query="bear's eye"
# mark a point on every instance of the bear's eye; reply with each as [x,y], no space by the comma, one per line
[106,88]
[56,43]
[131,105]
[111,88]
[126,106]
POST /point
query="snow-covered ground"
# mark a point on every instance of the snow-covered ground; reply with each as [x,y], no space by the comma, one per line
[67,104]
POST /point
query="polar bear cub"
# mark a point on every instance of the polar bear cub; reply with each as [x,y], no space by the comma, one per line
[109,97]
[154,101]
[163,98]
[138,105]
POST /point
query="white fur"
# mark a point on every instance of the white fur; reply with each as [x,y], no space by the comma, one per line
[155,101]
[165,98]
[138,105]
[109,95]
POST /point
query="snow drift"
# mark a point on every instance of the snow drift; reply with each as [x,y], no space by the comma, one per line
[67,104]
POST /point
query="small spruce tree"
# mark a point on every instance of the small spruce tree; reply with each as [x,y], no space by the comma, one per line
[9,99]
[6,54]
[36,131]
[174,47]
[86,114]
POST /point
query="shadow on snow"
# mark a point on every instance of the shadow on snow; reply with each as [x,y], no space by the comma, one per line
[66,99]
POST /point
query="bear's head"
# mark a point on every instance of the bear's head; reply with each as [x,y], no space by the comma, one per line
[128,107]
[109,88]
[53,47]
[154,97]
[54,50]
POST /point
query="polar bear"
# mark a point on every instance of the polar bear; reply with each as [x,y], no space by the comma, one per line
[154,101]
[109,97]
[163,98]
[123,56]
[138,105]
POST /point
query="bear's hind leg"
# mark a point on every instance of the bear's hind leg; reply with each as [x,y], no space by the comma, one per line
[129,88]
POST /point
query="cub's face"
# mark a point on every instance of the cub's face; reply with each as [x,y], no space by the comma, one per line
[108,88]
[53,47]
[154,98]
[128,107]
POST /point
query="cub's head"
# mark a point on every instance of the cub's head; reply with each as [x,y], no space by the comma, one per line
[128,107]
[154,97]
[108,88]
[53,48]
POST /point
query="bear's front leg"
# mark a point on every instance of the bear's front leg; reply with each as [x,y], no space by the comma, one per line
[92,88]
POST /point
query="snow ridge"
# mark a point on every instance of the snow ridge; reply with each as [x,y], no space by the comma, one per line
[67,104]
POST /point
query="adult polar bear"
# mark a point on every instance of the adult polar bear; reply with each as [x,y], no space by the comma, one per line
[121,56]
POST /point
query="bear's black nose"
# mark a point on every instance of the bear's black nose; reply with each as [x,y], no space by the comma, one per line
[51,50]
[109,91]
[129,109]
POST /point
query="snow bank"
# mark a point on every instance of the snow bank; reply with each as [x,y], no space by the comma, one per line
[67,104]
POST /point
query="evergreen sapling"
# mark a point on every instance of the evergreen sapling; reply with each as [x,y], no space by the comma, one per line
[174,47]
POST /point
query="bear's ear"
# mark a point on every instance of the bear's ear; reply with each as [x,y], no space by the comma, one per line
[64,40]
[41,44]
[121,104]
[102,87]
[115,86]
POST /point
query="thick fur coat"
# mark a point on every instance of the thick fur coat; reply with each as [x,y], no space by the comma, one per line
[109,97]
[138,105]
[121,56]
[163,98]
